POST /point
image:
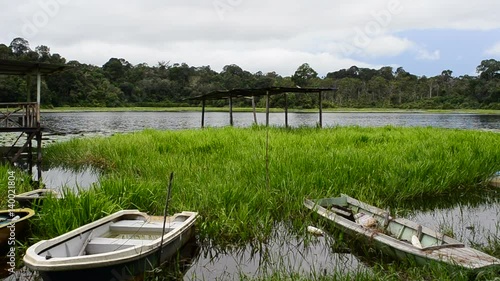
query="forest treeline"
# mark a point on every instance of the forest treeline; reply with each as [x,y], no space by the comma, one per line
[119,83]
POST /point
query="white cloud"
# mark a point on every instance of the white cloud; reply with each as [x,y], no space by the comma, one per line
[424,54]
[493,50]
[387,46]
[260,35]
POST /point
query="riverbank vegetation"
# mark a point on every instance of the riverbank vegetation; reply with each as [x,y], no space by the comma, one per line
[246,182]
[119,83]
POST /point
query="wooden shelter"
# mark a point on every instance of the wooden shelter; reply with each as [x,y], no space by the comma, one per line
[267,92]
[24,117]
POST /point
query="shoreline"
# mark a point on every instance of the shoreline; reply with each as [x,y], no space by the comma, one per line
[273,110]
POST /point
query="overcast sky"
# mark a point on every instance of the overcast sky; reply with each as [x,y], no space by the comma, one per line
[425,37]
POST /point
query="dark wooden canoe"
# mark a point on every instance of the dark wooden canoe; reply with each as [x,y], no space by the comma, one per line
[397,237]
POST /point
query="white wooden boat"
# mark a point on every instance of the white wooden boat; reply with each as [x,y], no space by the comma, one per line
[397,237]
[121,245]
[27,199]
[495,180]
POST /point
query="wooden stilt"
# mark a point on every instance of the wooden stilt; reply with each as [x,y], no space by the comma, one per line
[39,155]
[267,108]
[286,110]
[321,109]
[254,113]
[203,114]
[231,121]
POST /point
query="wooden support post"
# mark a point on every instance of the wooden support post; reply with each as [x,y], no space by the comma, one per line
[286,111]
[39,155]
[28,87]
[203,114]
[38,94]
[254,113]
[30,156]
[267,108]
[320,109]
[231,121]
[20,151]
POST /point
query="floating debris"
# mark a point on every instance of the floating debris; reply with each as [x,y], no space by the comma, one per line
[315,231]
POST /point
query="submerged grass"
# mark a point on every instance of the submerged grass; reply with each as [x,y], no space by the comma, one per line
[221,173]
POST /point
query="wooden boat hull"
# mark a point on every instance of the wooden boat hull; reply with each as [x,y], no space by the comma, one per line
[393,236]
[17,229]
[495,181]
[28,199]
[120,264]
[122,271]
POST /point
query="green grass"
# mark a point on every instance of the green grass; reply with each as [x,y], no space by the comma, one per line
[221,173]
[22,183]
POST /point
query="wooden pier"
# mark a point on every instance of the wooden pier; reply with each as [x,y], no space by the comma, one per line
[22,119]
[257,92]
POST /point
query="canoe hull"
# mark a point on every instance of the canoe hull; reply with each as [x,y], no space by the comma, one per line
[34,197]
[392,236]
[18,230]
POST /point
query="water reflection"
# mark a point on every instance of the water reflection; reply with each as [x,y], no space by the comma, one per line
[285,254]
[59,178]
[470,217]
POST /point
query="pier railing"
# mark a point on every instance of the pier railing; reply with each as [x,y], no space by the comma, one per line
[22,115]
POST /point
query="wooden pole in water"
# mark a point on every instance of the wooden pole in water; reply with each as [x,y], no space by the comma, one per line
[39,154]
[38,94]
[267,108]
[165,217]
[254,113]
[320,109]
[203,114]
[231,121]
[286,110]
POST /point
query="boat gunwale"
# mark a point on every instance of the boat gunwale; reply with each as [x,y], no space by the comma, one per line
[29,194]
[30,213]
[36,262]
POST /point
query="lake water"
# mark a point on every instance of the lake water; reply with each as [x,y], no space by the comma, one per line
[110,122]
[471,223]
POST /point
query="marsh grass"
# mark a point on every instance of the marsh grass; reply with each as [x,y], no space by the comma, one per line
[221,173]
[23,183]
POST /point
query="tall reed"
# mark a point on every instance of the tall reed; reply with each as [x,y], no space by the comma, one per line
[221,172]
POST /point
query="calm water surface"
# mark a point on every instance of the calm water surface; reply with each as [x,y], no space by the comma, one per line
[110,122]
[470,223]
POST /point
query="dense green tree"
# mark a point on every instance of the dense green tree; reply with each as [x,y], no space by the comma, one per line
[116,69]
[489,69]
[19,46]
[119,83]
[303,75]
[5,52]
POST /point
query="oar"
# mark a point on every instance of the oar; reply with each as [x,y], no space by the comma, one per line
[165,216]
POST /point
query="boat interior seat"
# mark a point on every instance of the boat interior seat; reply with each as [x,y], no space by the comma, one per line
[136,226]
[100,245]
